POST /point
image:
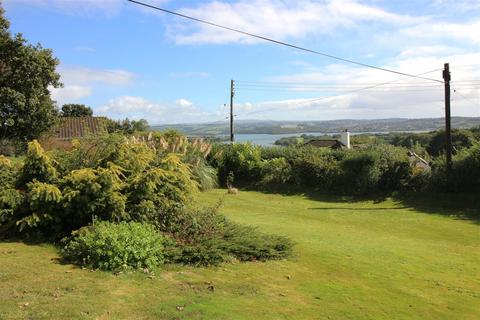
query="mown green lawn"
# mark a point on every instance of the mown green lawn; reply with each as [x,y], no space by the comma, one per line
[367,259]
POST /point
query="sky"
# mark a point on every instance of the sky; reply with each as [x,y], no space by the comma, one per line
[124,60]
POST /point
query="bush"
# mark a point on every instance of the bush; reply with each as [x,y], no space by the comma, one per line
[466,169]
[317,168]
[381,168]
[10,201]
[7,173]
[243,159]
[205,237]
[90,193]
[275,172]
[115,246]
[42,208]
[156,194]
[37,166]
[461,139]
[246,243]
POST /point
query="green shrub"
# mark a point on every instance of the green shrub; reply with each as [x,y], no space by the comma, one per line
[316,168]
[205,176]
[90,193]
[37,166]
[42,208]
[156,194]
[247,243]
[381,168]
[115,246]
[10,202]
[275,172]
[243,159]
[205,237]
[465,175]
[461,139]
[8,173]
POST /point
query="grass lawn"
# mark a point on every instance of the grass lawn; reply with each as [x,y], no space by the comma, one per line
[364,259]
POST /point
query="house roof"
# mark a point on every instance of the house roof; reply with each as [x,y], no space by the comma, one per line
[77,127]
[326,143]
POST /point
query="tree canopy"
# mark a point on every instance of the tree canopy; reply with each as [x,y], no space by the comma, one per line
[76,110]
[26,74]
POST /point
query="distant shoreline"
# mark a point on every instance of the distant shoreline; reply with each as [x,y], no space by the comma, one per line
[322,127]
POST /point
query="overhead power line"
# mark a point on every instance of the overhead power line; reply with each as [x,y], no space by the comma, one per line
[343,93]
[279,42]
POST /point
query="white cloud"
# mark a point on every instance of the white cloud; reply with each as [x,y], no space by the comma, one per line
[182,111]
[79,82]
[69,94]
[467,31]
[278,19]
[406,98]
[76,74]
[458,5]
[184,103]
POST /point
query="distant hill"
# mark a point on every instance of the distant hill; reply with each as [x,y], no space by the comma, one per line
[330,126]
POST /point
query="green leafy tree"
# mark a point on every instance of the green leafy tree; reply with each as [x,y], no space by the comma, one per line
[76,110]
[26,73]
[139,125]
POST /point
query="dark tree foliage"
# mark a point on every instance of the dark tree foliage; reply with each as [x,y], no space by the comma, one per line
[461,139]
[76,110]
[26,72]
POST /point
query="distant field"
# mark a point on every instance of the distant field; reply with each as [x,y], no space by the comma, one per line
[381,259]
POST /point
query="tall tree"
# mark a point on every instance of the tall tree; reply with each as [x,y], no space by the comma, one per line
[26,73]
[76,110]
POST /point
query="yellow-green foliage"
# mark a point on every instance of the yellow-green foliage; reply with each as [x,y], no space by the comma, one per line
[193,152]
[10,199]
[44,205]
[155,194]
[7,174]
[106,178]
[90,193]
[37,165]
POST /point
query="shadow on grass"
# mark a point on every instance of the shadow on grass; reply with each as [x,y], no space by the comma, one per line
[462,206]
[359,209]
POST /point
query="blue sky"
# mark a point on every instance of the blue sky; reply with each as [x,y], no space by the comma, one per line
[127,61]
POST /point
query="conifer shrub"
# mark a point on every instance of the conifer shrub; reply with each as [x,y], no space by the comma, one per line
[205,237]
[37,166]
[41,209]
[156,194]
[8,173]
[115,246]
[247,243]
[10,201]
[92,193]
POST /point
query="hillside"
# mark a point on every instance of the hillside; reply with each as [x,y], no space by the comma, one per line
[330,126]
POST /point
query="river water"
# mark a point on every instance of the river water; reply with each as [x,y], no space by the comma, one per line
[268,139]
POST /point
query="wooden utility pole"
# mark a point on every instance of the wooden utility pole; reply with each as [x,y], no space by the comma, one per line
[448,126]
[232,93]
